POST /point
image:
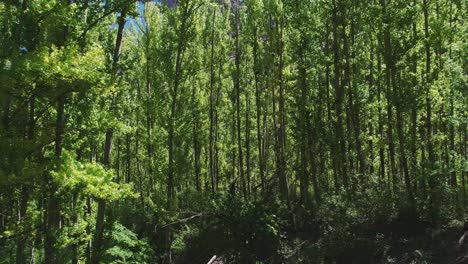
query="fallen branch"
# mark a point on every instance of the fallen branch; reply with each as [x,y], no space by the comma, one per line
[183,220]
[212,260]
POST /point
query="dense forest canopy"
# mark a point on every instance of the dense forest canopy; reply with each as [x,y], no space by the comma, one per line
[259,131]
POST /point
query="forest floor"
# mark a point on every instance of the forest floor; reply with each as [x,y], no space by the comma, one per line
[436,246]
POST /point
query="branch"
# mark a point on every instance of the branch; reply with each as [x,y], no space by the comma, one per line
[184,220]
[106,14]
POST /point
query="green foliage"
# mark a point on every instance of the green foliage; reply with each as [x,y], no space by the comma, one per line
[89,179]
[126,247]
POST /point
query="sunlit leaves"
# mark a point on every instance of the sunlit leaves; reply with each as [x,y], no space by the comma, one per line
[89,179]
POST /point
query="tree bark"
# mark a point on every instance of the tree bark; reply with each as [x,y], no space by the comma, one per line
[99,230]
[339,93]
[212,80]
[237,90]
[388,53]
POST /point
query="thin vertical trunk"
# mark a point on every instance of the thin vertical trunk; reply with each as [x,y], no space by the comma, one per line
[212,80]
[414,108]
[237,90]
[312,146]
[128,159]
[247,144]
[381,127]
[339,93]
[181,45]
[196,143]
[430,148]
[403,159]
[463,152]
[118,159]
[216,129]
[88,228]
[281,150]
[333,153]
[99,229]
[395,97]
[138,165]
[53,215]
[371,127]
[453,174]
[149,134]
[354,106]
[388,53]
[431,180]
[149,110]
[23,204]
[74,218]
[304,131]
[234,163]
[258,110]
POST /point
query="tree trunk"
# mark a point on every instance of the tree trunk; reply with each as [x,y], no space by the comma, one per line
[258,112]
[430,148]
[212,80]
[181,45]
[53,215]
[196,143]
[339,93]
[23,204]
[388,53]
[237,89]
[381,127]
[303,128]
[96,251]
[247,143]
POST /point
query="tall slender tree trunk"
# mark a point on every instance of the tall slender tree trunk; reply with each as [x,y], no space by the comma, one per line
[138,165]
[181,45]
[99,230]
[212,80]
[354,106]
[339,93]
[247,144]
[396,99]
[53,215]
[237,90]
[371,127]
[333,154]
[302,127]
[53,212]
[464,153]
[25,189]
[431,180]
[388,53]
[382,171]
[281,165]
[24,198]
[196,142]
[128,159]
[453,174]
[258,111]
[149,110]
[427,74]
[414,109]
[149,125]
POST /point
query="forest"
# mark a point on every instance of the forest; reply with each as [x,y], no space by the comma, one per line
[233,131]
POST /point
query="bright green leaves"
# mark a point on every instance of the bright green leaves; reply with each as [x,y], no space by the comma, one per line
[90,179]
[67,68]
[126,247]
